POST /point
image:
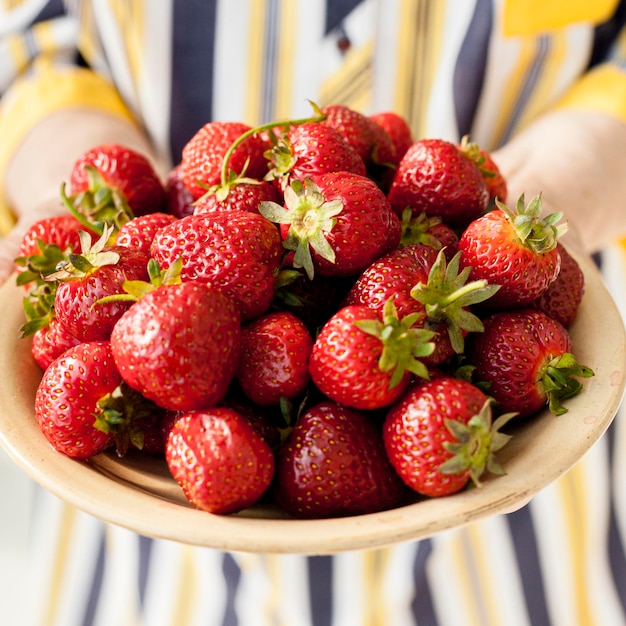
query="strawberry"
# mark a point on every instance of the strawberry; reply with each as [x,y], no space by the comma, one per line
[204,155]
[312,149]
[235,251]
[440,436]
[99,271]
[561,300]
[179,200]
[436,177]
[274,360]
[336,224]
[139,232]
[243,194]
[398,130]
[222,464]
[526,358]
[179,345]
[364,359]
[81,406]
[495,181]
[110,183]
[50,342]
[430,231]
[515,249]
[333,464]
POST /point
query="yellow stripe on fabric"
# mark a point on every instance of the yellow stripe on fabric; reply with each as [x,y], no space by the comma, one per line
[32,99]
[274,595]
[462,570]
[376,612]
[530,17]
[19,52]
[571,486]
[352,84]
[60,559]
[288,27]
[256,44]
[603,90]
[512,88]
[88,42]
[129,15]
[418,45]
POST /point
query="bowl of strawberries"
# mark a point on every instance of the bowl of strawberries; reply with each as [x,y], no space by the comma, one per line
[296,350]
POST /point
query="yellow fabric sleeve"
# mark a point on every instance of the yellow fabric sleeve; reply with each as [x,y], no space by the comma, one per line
[602,89]
[34,97]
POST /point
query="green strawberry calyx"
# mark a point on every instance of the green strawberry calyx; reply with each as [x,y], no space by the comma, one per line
[403,344]
[415,229]
[536,233]
[560,381]
[309,217]
[447,296]
[476,443]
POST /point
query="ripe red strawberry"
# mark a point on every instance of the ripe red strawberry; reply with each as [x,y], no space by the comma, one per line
[99,271]
[179,200]
[68,396]
[50,342]
[139,232]
[436,177]
[274,360]
[336,225]
[109,176]
[234,251]
[222,464]
[312,149]
[179,345]
[334,464]
[515,249]
[243,195]
[561,300]
[430,231]
[398,130]
[495,181]
[439,436]
[203,155]
[526,357]
[364,359]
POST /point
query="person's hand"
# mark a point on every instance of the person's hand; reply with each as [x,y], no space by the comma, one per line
[575,159]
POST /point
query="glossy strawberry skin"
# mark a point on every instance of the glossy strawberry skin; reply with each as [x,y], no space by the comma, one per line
[66,399]
[394,275]
[365,229]
[124,170]
[179,345]
[490,247]
[495,181]
[50,342]
[139,232]
[235,251]
[512,353]
[436,177]
[414,433]
[398,130]
[344,362]
[202,156]
[179,200]
[334,464]
[274,360]
[75,301]
[562,298]
[222,464]
[242,196]
[59,230]
[318,149]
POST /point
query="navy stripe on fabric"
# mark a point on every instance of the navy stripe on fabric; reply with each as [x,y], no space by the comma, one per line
[605,34]
[422,605]
[270,54]
[192,81]
[469,72]
[337,11]
[527,554]
[145,557]
[52,8]
[232,576]
[96,581]
[320,572]
[615,546]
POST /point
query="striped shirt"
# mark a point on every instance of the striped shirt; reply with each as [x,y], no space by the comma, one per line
[451,67]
